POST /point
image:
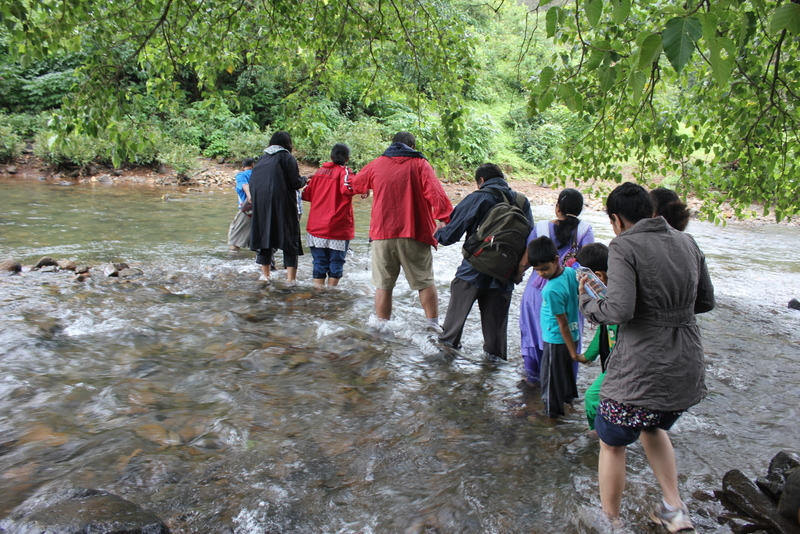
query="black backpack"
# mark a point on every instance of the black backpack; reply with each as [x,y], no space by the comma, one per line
[500,240]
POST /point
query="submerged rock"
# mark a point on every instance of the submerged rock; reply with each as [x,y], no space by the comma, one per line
[782,462]
[789,506]
[129,272]
[67,265]
[743,494]
[47,261]
[110,270]
[10,266]
[79,510]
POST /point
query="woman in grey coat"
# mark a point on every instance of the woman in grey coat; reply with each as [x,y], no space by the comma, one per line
[657,281]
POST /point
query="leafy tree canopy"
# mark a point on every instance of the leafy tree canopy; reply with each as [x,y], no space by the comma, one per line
[163,50]
[706,89]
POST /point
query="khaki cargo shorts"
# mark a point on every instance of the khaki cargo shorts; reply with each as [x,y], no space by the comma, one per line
[416,258]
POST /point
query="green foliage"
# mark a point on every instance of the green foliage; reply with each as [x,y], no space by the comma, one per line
[476,141]
[731,130]
[25,125]
[191,51]
[250,144]
[10,142]
[180,157]
[366,138]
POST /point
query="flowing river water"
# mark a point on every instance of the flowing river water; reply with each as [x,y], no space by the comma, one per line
[225,406]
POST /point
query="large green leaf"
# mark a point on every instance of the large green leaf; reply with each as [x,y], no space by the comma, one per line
[551,21]
[594,10]
[622,8]
[649,51]
[636,82]
[607,76]
[722,65]
[679,38]
[786,17]
[545,77]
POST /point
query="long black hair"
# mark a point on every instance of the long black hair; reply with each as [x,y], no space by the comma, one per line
[281,139]
[570,203]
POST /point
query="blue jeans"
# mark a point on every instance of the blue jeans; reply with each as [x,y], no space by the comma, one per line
[328,262]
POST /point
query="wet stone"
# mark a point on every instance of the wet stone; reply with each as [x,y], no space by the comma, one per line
[789,506]
[110,270]
[80,510]
[67,265]
[782,462]
[744,494]
[129,272]
[47,261]
[10,266]
[771,485]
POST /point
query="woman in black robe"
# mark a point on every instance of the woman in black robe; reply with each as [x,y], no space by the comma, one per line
[276,224]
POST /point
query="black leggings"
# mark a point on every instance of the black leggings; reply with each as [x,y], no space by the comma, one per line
[264,257]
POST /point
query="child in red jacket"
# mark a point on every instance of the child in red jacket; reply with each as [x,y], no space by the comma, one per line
[330,217]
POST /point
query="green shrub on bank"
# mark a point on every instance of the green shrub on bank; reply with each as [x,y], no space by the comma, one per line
[366,138]
[10,143]
[25,125]
[248,144]
[182,158]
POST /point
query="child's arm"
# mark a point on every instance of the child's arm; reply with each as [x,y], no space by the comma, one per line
[246,189]
[563,326]
[593,350]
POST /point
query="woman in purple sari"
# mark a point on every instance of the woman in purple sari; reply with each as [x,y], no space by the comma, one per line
[570,234]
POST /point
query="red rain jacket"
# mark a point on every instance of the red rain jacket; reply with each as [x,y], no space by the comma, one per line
[331,213]
[408,198]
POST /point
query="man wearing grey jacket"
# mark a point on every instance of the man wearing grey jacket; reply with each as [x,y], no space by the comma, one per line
[657,282]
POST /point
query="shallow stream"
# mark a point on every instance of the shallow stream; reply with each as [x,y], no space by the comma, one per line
[225,406]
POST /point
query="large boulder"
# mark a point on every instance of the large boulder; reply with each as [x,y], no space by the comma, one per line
[744,494]
[47,261]
[789,506]
[10,266]
[67,265]
[78,511]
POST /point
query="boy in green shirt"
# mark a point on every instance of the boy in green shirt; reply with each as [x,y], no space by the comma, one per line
[595,257]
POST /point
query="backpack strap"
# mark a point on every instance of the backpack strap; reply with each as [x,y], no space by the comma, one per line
[499,194]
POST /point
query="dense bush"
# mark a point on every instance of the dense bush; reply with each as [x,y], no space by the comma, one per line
[182,158]
[26,125]
[366,138]
[10,143]
[248,144]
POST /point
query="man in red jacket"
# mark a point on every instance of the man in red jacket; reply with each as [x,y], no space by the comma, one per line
[408,200]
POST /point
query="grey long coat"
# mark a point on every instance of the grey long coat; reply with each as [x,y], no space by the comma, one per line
[657,281]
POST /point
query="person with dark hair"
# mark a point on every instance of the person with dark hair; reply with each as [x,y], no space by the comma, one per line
[330,225]
[570,234]
[594,256]
[657,282]
[408,198]
[469,285]
[667,204]
[559,323]
[273,185]
[239,230]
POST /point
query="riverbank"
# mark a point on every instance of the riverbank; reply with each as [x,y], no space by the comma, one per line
[213,174]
